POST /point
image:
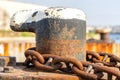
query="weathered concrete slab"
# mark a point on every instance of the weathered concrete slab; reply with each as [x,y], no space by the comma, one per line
[23,73]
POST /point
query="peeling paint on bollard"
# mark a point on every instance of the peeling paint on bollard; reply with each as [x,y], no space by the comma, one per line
[58,30]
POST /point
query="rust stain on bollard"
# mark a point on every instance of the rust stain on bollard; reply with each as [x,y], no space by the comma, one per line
[62,47]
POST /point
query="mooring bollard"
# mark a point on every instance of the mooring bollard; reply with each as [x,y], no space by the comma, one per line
[104,34]
[58,30]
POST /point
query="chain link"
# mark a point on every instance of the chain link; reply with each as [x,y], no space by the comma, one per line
[113,60]
[92,69]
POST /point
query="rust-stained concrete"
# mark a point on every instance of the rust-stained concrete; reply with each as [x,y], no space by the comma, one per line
[23,73]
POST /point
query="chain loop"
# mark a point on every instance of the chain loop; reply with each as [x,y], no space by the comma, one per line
[112,62]
[45,67]
[34,54]
[69,60]
[87,75]
[93,55]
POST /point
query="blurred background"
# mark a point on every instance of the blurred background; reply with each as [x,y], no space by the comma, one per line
[100,14]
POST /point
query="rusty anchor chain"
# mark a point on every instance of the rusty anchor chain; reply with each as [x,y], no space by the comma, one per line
[107,59]
[38,60]
[92,69]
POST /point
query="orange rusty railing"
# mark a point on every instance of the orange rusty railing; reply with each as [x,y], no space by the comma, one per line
[17,46]
[101,46]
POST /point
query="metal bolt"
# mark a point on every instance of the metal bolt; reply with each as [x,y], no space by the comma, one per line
[49,61]
[8,69]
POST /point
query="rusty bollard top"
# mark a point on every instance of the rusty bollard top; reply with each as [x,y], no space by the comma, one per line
[58,30]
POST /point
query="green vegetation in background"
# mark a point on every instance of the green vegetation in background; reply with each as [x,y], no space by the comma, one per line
[91,34]
[27,34]
[8,33]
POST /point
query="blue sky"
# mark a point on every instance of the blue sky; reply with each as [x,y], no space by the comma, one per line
[98,12]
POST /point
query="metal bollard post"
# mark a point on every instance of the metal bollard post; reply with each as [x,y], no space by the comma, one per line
[104,34]
[58,30]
